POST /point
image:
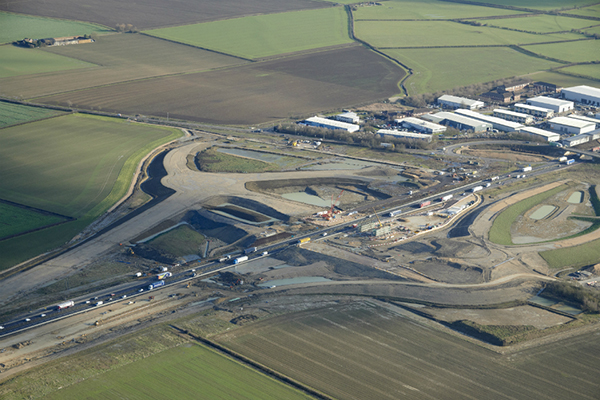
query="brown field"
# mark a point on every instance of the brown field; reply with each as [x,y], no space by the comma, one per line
[360,351]
[120,58]
[254,93]
[146,14]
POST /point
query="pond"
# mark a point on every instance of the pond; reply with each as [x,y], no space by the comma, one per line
[575,198]
[294,281]
[542,212]
[306,198]
[280,160]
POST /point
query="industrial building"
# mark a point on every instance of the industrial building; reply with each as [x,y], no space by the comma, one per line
[458,122]
[348,117]
[594,135]
[497,123]
[556,105]
[403,135]
[576,140]
[459,102]
[588,119]
[537,132]
[420,125]
[571,125]
[513,116]
[539,112]
[331,124]
[582,94]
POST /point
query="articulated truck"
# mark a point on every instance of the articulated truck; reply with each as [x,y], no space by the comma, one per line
[156,284]
[66,304]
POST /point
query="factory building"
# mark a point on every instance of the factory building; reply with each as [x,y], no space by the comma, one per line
[420,125]
[539,112]
[513,116]
[497,123]
[588,119]
[582,94]
[459,102]
[403,135]
[571,125]
[576,140]
[556,105]
[458,122]
[537,132]
[331,124]
[348,117]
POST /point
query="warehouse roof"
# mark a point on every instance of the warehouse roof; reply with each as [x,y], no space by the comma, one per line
[331,122]
[575,123]
[460,119]
[585,90]
[459,100]
[550,100]
[539,132]
[534,108]
[584,118]
[392,132]
[513,113]
[490,119]
[418,121]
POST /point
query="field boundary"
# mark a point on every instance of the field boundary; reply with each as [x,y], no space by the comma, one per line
[39,211]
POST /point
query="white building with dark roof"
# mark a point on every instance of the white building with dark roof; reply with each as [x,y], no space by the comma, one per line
[537,132]
[459,102]
[330,124]
[582,94]
[556,105]
[571,125]
[498,123]
[420,125]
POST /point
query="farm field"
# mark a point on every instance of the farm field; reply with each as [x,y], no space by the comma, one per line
[265,35]
[545,5]
[591,11]
[118,58]
[15,220]
[595,30]
[580,51]
[541,23]
[181,241]
[15,61]
[254,93]
[11,114]
[561,79]
[410,34]
[155,14]
[359,351]
[575,256]
[589,70]
[431,76]
[17,27]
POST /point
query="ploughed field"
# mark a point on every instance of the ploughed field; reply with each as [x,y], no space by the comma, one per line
[360,351]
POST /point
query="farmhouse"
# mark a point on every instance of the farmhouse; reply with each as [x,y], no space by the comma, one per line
[458,122]
[331,124]
[575,140]
[497,123]
[556,105]
[539,112]
[571,125]
[513,116]
[420,125]
[588,119]
[459,102]
[348,117]
[582,94]
[540,133]
[403,135]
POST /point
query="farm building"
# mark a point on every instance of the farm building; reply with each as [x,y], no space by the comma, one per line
[497,123]
[349,117]
[331,124]
[582,94]
[459,122]
[537,132]
[403,135]
[420,125]
[513,116]
[556,105]
[588,119]
[459,102]
[571,125]
[575,140]
[539,112]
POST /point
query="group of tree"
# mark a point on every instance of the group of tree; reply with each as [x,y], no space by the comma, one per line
[587,299]
[127,28]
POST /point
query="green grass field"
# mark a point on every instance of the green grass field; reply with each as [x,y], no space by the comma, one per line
[430,75]
[541,5]
[580,51]
[17,27]
[589,70]
[16,61]
[15,220]
[265,35]
[500,231]
[541,23]
[214,161]
[562,80]
[11,114]
[591,11]
[181,241]
[595,30]
[576,256]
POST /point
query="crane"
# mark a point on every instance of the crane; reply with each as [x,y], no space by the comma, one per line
[378,220]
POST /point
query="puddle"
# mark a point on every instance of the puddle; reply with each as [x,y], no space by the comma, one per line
[543,301]
[542,212]
[575,198]
[294,281]
[306,198]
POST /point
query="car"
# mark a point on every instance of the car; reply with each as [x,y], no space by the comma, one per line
[109,299]
[87,302]
[95,298]
[27,319]
[124,296]
[112,295]
[1,327]
[140,291]
[43,315]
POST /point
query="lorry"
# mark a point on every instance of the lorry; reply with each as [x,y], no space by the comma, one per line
[240,259]
[250,250]
[164,275]
[570,161]
[304,240]
[394,213]
[494,178]
[425,204]
[446,197]
[476,189]
[563,159]
[223,259]
[99,303]
[138,275]
[156,284]
[526,169]
[65,304]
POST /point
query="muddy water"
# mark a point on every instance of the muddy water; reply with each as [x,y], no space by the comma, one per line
[575,198]
[542,212]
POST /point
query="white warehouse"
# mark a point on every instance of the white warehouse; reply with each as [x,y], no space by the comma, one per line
[420,125]
[582,94]
[575,140]
[556,105]
[403,135]
[588,119]
[497,123]
[537,132]
[571,125]
[539,112]
[513,116]
[349,117]
[459,102]
[331,124]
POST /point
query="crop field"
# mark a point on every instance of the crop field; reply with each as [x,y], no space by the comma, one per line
[17,27]
[427,9]
[385,34]
[147,14]
[363,352]
[11,114]
[589,70]
[181,241]
[580,51]
[430,75]
[541,23]
[575,256]
[15,220]
[544,5]
[265,35]
[15,61]
[118,58]
[255,93]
